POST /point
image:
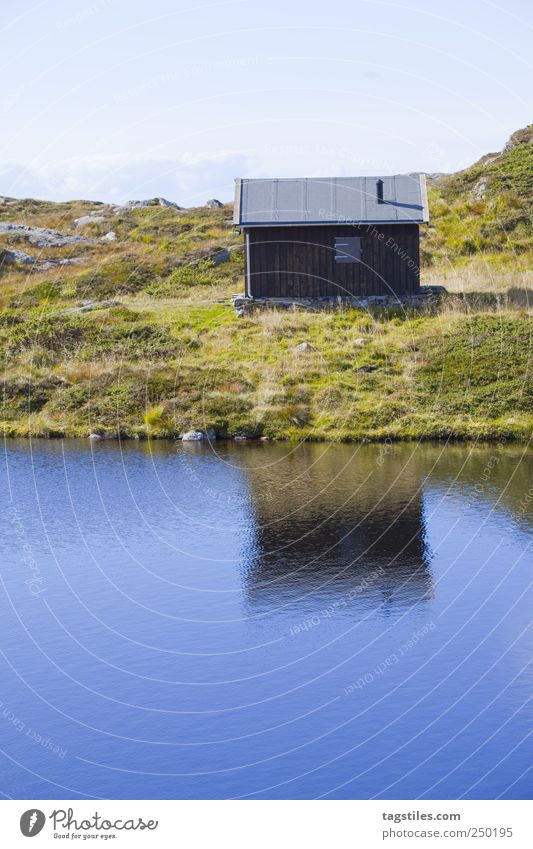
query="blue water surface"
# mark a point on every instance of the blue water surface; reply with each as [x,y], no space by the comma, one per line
[265,621]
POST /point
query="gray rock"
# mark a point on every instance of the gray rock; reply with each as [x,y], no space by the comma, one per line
[213,203]
[480,189]
[432,290]
[143,204]
[87,306]
[89,219]
[192,436]
[220,256]
[95,436]
[12,257]
[42,237]
[47,264]
[110,237]
[21,257]
[240,438]
[359,342]
[303,348]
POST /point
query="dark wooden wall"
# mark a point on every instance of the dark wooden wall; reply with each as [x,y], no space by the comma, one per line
[299,262]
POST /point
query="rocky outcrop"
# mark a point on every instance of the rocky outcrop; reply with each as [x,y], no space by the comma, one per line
[42,237]
[143,204]
[87,306]
[16,257]
[92,218]
[213,203]
[523,136]
[47,264]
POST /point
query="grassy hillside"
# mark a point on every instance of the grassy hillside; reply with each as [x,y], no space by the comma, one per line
[479,236]
[159,349]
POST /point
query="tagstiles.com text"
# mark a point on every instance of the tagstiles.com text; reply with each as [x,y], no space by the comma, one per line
[421,824]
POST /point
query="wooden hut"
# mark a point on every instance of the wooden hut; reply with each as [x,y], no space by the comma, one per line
[348,237]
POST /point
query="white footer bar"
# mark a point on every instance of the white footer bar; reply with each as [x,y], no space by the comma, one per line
[268,824]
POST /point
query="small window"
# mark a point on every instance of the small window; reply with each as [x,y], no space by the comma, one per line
[348,249]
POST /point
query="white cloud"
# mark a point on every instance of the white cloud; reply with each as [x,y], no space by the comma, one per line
[189,179]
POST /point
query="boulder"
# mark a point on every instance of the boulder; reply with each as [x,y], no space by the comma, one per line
[143,204]
[192,436]
[11,257]
[303,348]
[480,189]
[213,203]
[88,219]
[42,237]
[110,237]
[220,256]
[47,264]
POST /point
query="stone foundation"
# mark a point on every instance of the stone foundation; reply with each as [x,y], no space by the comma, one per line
[244,305]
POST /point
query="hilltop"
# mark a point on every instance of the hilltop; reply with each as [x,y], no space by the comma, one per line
[479,235]
[117,321]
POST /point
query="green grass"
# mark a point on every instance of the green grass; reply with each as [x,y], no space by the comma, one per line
[485,210]
[172,355]
[411,377]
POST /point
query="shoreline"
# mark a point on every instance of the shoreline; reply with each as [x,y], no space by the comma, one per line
[501,438]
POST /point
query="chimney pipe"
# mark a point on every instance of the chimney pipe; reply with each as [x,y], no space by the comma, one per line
[379,190]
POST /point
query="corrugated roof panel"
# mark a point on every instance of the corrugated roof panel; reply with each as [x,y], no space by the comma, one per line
[334,200]
[350,200]
[256,200]
[320,200]
[290,197]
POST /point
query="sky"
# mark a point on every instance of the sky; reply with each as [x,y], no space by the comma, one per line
[121,99]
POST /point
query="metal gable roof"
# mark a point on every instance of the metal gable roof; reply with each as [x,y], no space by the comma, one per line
[331,200]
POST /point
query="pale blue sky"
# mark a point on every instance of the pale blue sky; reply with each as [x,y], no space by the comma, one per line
[114,99]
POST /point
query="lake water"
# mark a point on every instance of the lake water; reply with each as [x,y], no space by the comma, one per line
[265,621]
